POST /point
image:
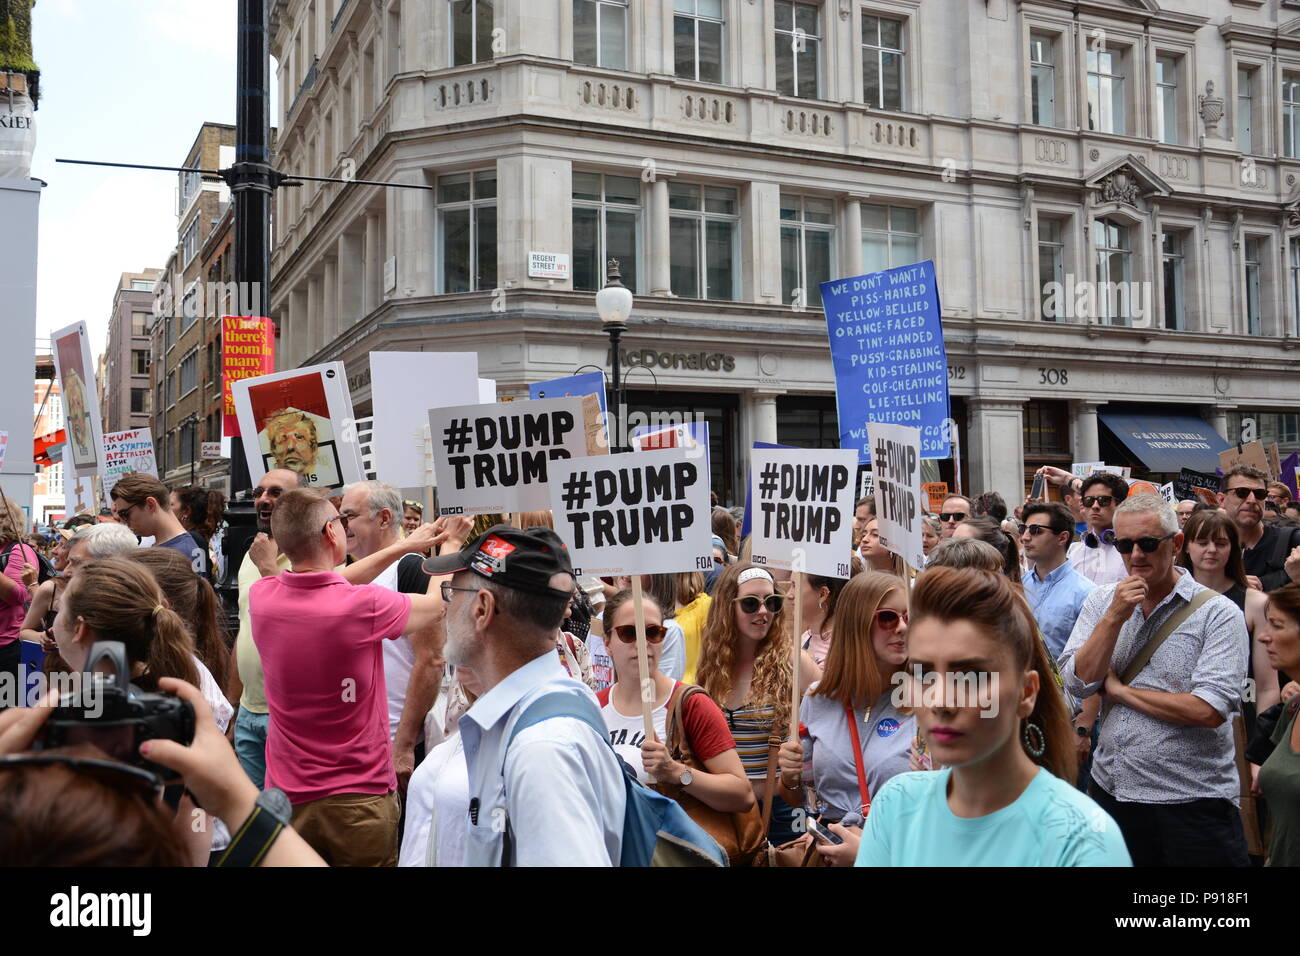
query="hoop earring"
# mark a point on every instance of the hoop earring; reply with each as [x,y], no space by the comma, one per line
[1034,740]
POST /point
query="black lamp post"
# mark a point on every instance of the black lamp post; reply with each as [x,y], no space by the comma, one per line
[614,303]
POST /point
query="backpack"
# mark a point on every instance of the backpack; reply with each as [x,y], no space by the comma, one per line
[42,562]
[656,830]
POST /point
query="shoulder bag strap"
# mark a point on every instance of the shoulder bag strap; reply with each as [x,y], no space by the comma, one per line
[857,757]
[1166,629]
[674,733]
[773,743]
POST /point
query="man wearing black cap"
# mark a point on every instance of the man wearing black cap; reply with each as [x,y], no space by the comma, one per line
[557,787]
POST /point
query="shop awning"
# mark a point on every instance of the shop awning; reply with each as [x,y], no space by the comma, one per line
[1168,443]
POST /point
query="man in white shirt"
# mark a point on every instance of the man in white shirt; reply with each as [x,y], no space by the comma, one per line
[555,795]
[1094,555]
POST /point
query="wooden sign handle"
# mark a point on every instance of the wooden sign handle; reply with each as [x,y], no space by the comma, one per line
[795,654]
[646,683]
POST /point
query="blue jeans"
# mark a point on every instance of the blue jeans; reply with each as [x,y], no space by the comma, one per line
[250,744]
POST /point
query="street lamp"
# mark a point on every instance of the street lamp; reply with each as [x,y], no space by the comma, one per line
[193,422]
[614,303]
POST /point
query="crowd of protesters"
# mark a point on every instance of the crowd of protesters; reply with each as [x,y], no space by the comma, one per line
[1093,678]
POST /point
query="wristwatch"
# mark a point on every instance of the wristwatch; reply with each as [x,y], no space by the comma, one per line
[1082,731]
[686,779]
[272,812]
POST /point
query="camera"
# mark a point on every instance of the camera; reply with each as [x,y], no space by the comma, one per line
[107,710]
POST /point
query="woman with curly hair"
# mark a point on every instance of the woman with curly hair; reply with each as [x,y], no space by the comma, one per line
[745,667]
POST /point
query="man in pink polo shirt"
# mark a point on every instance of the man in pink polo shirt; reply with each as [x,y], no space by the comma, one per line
[319,637]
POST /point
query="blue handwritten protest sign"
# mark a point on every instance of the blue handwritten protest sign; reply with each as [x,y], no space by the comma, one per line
[573,386]
[887,349]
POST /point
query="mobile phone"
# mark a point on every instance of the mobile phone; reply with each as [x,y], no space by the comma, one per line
[1036,491]
[823,835]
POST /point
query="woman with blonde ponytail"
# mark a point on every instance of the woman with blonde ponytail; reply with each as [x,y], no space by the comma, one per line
[982,687]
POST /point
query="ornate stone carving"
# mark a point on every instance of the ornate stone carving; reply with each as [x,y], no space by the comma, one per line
[1211,108]
[1119,186]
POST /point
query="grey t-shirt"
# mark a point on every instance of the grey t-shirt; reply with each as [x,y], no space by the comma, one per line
[886,737]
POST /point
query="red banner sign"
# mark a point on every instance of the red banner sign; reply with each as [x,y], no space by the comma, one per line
[247,350]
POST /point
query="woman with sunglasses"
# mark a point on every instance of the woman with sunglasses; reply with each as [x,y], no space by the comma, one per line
[745,668]
[850,715]
[1006,795]
[1212,552]
[721,784]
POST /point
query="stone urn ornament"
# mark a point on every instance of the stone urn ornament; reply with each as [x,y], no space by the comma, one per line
[1211,109]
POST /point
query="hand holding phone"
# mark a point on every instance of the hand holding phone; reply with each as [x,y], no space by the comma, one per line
[823,835]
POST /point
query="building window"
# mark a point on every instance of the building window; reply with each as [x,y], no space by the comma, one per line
[139,362]
[162,396]
[1295,281]
[1167,99]
[703,231]
[190,308]
[54,479]
[190,242]
[882,62]
[1114,270]
[606,225]
[467,231]
[187,438]
[214,361]
[142,285]
[1051,269]
[600,33]
[190,372]
[1042,80]
[1254,261]
[139,323]
[697,39]
[191,183]
[1171,252]
[471,32]
[1046,428]
[170,396]
[1245,109]
[139,401]
[1105,91]
[1291,114]
[798,49]
[807,421]
[807,244]
[890,237]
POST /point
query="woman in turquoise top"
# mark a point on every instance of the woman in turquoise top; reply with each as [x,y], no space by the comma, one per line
[991,711]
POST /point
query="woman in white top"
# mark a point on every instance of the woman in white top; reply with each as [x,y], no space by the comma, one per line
[437,799]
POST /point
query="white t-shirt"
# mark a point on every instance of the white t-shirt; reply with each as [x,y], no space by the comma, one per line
[399,660]
[221,709]
[437,808]
[628,733]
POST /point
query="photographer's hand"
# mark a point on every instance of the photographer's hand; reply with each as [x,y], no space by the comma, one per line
[19,726]
[212,772]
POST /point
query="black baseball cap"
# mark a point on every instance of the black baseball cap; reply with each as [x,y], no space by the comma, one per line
[523,560]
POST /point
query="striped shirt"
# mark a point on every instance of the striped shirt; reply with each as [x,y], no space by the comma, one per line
[751,726]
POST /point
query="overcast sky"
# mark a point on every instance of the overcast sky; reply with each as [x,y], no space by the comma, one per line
[124,81]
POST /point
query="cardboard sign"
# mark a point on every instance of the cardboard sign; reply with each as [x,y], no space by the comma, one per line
[1197,486]
[247,351]
[365,440]
[747,519]
[75,370]
[487,391]
[124,452]
[866,486]
[404,386]
[1274,461]
[803,509]
[896,451]
[491,459]
[1082,469]
[886,341]
[1251,454]
[635,513]
[590,387]
[1167,493]
[936,492]
[303,422]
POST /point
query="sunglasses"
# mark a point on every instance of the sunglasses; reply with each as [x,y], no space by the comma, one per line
[1034,530]
[889,619]
[1244,493]
[1148,545]
[341,518]
[751,604]
[952,516]
[654,633]
[1101,501]
[121,515]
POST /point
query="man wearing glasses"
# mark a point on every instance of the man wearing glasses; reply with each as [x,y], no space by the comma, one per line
[1054,589]
[1094,555]
[1168,656]
[1271,554]
[955,510]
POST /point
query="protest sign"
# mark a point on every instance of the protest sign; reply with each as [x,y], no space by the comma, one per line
[127,451]
[487,391]
[803,509]
[1082,469]
[1139,487]
[247,351]
[404,386]
[1123,471]
[1251,453]
[887,348]
[936,492]
[590,387]
[866,486]
[1274,461]
[1197,486]
[1167,493]
[635,513]
[496,458]
[76,373]
[1291,474]
[692,435]
[4,444]
[303,422]
[896,451]
[747,519]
